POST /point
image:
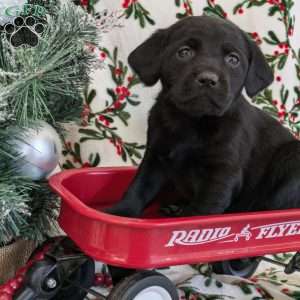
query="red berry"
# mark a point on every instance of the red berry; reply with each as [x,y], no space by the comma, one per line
[6,288]
[282,106]
[39,256]
[20,278]
[285,290]
[278,78]
[5,296]
[125,4]
[118,71]
[86,165]
[282,7]
[117,104]
[286,51]
[119,150]
[281,114]
[276,52]
[84,2]
[254,35]
[107,280]
[225,15]
[129,78]
[99,279]
[121,97]
[101,118]
[281,45]
[275,102]
[103,55]
[118,90]
[47,247]
[124,90]
[240,11]
[22,271]
[14,284]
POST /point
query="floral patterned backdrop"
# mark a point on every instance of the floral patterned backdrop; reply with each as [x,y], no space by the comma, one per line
[114,118]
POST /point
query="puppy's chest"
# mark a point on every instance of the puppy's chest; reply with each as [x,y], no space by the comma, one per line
[191,151]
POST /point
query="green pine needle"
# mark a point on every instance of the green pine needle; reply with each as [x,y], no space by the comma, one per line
[58,66]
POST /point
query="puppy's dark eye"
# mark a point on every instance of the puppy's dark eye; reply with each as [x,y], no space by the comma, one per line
[233,59]
[185,53]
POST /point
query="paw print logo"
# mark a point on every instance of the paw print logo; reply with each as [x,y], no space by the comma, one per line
[24,31]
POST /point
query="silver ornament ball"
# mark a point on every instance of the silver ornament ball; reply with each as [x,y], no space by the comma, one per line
[39,148]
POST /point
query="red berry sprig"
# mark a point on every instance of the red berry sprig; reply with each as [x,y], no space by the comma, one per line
[103,279]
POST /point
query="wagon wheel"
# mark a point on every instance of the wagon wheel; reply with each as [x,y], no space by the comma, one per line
[83,277]
[237,267]
[146,285]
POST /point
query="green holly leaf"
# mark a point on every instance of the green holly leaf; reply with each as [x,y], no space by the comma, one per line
[111,93]
[282,62]
[150,21]
[129,11]
[142,21]
[124,116]
[77,149]
[132,102]
[219,284]
[273,36]
[124,156]
[273,10]
[208,282]
[237,7]
[91,96]
[245,288]
[115,55]
[94,161]
[68,165]
[177,2]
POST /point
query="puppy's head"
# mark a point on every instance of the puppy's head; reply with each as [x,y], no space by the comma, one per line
[203,64]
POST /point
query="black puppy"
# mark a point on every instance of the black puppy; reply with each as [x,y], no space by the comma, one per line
[217,151]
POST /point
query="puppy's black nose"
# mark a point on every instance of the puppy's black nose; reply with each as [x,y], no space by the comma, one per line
[208,79]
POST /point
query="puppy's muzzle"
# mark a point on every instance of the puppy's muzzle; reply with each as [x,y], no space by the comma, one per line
[207,79]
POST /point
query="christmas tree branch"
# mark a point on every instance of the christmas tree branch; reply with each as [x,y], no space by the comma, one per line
[59,65]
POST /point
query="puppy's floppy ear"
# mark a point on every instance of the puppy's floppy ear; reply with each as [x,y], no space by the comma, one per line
[145,60]
[260,74]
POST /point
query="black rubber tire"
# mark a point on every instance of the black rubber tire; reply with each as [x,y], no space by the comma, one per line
[237,267]
[83,277]
[129,287]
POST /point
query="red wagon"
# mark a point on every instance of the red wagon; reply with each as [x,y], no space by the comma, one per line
[235,241]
